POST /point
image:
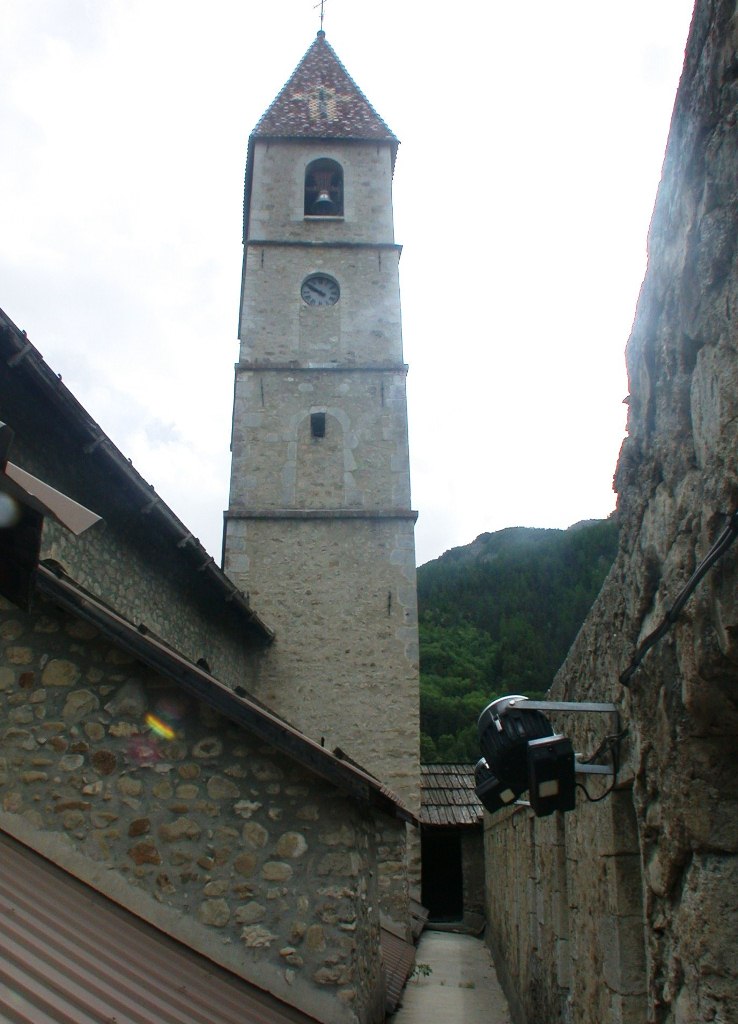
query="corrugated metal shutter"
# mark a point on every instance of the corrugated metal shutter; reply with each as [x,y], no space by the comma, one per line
[70,956]
[398,957]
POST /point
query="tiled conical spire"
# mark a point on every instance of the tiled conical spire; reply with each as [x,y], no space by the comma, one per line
[321,100]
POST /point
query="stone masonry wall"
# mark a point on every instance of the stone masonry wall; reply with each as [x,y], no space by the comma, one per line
[361,463]
[144,583]
[343,667]
[186,820]
[362,328]
[472,873]
[565,912]
[279,182]
[650,875]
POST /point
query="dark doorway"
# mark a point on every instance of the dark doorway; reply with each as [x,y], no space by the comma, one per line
[442,889]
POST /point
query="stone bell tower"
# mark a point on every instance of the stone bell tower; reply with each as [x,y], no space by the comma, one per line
[319,527]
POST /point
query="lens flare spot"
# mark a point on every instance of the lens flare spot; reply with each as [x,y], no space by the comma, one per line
[160,727]
[10,511]
[143,751]
[170,710]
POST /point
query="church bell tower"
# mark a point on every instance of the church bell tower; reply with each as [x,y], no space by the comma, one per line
[319,527]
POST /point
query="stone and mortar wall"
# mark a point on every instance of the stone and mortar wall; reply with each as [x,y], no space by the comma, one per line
[361,463]
[218,840]
[652,872]
[142,581]
[357,249]
[472,873]
[343,668]
[362,328]
[278,191]
[565,912]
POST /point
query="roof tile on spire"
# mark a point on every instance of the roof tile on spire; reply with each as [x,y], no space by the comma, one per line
[321,100]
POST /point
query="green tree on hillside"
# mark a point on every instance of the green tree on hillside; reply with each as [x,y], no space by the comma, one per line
[498,617]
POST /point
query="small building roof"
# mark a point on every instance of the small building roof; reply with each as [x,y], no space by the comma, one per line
[447,795]
[69,953]
[321,100]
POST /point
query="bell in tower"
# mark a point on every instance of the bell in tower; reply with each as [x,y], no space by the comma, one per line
[324,189]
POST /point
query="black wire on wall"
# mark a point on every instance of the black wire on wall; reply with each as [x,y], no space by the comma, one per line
[716,552]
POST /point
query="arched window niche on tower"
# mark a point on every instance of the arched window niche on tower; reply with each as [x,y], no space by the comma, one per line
[324,188]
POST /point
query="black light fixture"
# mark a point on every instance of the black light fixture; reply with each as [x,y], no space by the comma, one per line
[551,775]
[494,794]
[521,752]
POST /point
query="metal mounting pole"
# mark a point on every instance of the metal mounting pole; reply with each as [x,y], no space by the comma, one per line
[563,705]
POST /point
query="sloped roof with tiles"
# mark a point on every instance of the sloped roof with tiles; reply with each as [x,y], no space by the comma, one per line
[321,100]
[447,795]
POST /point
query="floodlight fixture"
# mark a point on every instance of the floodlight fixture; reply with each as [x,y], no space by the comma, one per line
[522,753]
[494,794]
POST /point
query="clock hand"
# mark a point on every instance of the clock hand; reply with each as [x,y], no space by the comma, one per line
[318,291]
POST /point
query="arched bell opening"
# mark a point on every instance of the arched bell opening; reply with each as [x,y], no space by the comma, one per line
[324,189]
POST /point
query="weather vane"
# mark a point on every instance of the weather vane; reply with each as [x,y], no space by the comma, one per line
[321,5]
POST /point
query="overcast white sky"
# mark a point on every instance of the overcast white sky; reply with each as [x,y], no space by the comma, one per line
[532,141]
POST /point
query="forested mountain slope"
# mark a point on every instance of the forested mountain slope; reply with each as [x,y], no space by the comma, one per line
[498,616]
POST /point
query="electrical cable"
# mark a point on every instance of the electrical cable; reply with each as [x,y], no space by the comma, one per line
[718,549]
[609,743]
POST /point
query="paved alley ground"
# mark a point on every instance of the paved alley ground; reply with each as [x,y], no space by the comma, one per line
[462,986]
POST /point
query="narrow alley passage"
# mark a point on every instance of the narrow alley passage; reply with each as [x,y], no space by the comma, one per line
[461,986]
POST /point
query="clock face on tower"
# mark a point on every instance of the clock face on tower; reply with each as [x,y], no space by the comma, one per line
[320,290]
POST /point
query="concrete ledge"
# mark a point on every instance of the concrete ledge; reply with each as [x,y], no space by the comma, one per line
[319,513]
[291,367]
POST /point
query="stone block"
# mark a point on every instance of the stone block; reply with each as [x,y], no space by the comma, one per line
[250,913]
[291,845]
[79,705]
[245,864]
[215,913]
[144,853]
[222,789]
[60,672]
[182,828]
[257,937]
[277,871]
[130,701]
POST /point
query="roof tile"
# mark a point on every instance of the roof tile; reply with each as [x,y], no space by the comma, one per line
[447,795]
[321,100]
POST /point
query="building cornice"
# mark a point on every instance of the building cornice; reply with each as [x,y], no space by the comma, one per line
[314,514]
[298,243]
[244,367]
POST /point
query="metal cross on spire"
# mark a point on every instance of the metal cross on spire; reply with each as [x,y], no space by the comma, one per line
[321,5]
